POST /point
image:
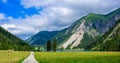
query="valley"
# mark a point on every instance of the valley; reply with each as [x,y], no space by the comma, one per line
[59,31]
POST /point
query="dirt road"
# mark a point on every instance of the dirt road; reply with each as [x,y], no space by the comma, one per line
[30,59]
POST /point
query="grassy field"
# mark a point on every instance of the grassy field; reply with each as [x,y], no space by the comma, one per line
[78,57]
[12,56]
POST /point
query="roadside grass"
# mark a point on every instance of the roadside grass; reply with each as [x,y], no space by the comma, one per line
[13,56]
[77,57]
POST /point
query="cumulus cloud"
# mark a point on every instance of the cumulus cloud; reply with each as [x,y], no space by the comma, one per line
[65,12]
[55,14]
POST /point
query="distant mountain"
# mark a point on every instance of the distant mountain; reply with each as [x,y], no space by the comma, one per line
[86,30]
[9,41]
[41,37]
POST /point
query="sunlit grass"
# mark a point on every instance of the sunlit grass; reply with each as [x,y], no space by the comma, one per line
[12,56]
[78,57]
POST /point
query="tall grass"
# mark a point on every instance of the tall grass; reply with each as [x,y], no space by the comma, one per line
[12,56]
[78,57]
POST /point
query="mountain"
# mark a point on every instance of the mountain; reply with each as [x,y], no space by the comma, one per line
[41,37]
[86,30]
[9,41]
[83,33]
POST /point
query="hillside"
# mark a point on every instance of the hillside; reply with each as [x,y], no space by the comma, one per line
[9,41]
[41,37]
[111,39]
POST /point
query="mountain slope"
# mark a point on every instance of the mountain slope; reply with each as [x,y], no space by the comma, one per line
[86,30]
[9,41]
[41,37]
[111,39]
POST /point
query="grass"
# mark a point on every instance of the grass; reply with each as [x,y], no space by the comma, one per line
[13,56]
[78,57]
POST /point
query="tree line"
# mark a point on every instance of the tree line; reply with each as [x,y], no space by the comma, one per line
[51,46]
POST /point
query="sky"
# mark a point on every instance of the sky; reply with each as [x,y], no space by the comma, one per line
[25,18]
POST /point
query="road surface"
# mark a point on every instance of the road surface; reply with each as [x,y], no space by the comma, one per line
[30,59]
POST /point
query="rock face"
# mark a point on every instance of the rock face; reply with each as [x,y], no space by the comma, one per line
[75,38]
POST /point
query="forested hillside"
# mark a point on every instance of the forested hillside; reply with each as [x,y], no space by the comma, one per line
[9,41]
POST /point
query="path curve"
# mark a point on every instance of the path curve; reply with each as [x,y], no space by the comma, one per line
[30,59]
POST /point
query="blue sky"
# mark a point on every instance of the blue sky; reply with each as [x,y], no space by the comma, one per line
[27,17]
[15,9]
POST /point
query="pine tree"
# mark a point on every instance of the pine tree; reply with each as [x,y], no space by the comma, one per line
[48,45]
[54,45]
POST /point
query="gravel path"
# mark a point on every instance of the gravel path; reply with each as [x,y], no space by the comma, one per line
[30,59]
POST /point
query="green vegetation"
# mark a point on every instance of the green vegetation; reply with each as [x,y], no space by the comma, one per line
[51,45]
[89,41]
[78,57]
[9,41]
[95,17]
[11,56]
[54,46]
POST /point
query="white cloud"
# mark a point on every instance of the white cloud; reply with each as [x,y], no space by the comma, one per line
[7,26]
[24,27]
[4,1]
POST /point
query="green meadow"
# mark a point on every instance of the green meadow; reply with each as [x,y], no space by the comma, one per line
[78,57]
[61,57]
[13,56]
